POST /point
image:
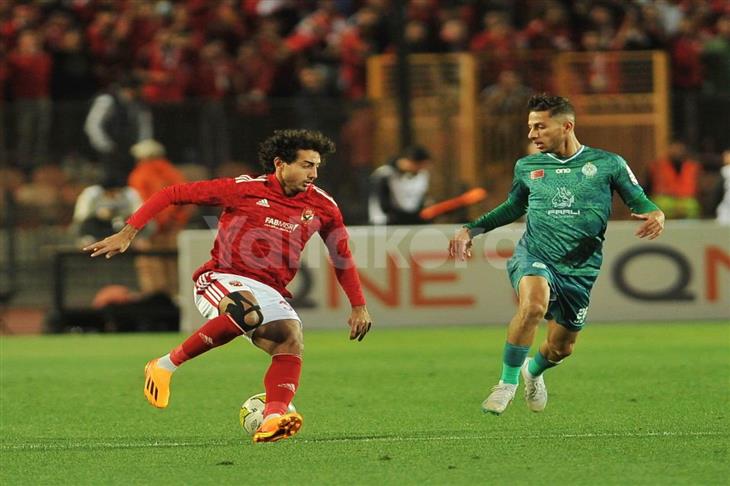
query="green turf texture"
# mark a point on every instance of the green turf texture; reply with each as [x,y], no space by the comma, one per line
[635,404]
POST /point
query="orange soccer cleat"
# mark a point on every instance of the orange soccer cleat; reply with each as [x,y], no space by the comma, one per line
[157,384]
[278,427]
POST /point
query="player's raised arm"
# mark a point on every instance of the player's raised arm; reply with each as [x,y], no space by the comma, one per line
[214,192]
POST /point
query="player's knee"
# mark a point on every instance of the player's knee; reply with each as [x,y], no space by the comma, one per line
[532,311]
[292,342]
[560,351]
[244,310]
[295,344]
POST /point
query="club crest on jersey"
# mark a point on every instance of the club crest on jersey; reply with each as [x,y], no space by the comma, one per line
[307,215]
[537,174]
[589,170]
[235,283]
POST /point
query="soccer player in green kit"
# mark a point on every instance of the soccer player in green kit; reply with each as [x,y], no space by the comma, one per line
[566,190]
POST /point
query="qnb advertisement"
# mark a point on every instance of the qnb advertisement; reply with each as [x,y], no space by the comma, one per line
[409,280]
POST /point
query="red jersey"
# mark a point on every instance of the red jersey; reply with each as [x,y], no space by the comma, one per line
[262,231]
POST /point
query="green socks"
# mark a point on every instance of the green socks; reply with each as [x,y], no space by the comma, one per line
[539,363]
[512,360]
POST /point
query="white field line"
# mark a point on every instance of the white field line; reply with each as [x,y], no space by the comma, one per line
[54,445]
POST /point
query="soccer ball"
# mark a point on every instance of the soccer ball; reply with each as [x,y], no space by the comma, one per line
[252,412]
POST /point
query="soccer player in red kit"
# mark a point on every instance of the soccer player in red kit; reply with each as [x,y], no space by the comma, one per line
[265,223]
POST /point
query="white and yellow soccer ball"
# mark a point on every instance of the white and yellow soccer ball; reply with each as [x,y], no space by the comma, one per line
[251,414]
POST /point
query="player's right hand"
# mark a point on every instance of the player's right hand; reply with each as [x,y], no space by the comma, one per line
[460,245]
[114,244]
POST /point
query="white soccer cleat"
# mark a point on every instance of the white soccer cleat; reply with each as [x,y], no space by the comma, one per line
[535,391]
[501,396]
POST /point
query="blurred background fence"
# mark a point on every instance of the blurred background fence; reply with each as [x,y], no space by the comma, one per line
[220,76]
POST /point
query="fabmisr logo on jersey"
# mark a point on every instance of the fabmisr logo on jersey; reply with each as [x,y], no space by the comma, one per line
[280,225]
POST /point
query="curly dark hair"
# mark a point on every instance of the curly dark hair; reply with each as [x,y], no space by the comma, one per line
[285,144]
[555,105]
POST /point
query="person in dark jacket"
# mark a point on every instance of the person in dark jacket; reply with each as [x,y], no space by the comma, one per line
[117,120]
[399,188]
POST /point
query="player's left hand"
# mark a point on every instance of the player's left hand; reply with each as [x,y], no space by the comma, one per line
[460,245]
[652,226]
[360,322]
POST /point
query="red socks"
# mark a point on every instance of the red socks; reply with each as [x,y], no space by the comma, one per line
[214,333]
[281,382]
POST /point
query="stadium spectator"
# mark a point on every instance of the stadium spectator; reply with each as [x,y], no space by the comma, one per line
[357,148]
[603,72]
[73,83]
[117,120]
[454,36]
[398,189]
[23,16]
[502,104]
[72,77]
[417,37]
[357,43]
[550,31]
[253,79]
[499,40]
[635,34]
[558,259]
[106,35]
[602,22]
[687,79]
[242,288]
[507,96]
[322,26]
[102,209]
[3,85]
[673,182]
[165,67]
[29,69]
[315,103]
[723,208]
[153,173]
[211,83]
[716,58]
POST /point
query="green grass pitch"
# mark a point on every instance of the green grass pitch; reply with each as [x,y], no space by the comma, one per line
[636,404]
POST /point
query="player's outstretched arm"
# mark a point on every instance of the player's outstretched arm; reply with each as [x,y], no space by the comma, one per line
[360,322]
[114,244]
[652,226]
[460,244]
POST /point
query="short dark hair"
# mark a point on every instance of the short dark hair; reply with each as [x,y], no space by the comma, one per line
[285,144]
[555,105]
[416,153]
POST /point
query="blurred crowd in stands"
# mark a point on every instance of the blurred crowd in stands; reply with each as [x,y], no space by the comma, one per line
[246,53]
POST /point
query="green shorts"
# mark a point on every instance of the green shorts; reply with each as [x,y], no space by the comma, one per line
[569,294]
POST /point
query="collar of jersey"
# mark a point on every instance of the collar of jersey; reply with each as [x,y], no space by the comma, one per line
[276,186]
[580,150]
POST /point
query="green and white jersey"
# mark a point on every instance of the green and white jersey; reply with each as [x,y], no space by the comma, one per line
[568,204]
